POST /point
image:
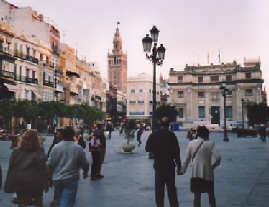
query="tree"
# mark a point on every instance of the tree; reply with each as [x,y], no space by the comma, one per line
[168,111]
[258,114]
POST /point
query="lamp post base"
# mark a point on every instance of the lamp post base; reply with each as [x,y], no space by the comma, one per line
[226,139]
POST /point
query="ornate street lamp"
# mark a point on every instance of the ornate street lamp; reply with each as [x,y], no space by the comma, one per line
[156,57]
[243,124]
[224,93]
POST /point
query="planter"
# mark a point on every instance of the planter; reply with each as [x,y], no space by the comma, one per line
[127,148]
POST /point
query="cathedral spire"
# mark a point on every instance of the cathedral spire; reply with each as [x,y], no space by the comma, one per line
[117,42]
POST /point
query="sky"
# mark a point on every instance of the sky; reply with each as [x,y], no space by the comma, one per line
[189,30]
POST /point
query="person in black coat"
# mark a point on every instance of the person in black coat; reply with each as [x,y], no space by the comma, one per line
[57,138]
[165,148]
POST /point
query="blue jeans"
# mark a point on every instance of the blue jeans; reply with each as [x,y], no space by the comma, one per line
[67,191]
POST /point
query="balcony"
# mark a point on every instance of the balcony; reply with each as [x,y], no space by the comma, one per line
[48,83]
[7,74]
[32,59]
[31,80]
[26,79]
[6,54]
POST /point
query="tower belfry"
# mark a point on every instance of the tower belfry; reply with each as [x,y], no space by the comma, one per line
[117,64]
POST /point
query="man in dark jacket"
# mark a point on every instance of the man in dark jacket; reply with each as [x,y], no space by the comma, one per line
[165,148]
[98,153]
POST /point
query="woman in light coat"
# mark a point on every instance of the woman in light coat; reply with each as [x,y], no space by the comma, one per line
[200,152]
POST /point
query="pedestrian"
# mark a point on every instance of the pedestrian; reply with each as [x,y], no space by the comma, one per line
[65,161]
[98,150]
[262,132]
[57,138]
[109,128]
[27,173]
[191,134]
[78,139]
[122,128]
[200,151]
[138,134]
[165,148]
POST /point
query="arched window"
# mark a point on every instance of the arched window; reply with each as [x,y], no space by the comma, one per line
[115,60]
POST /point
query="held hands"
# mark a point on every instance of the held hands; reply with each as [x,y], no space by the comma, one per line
[180,172]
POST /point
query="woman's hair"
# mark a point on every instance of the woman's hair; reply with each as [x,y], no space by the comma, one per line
[29,140]
[203,132]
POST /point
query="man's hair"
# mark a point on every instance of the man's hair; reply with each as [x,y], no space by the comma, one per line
[68,133]
[202,132]
[165,121]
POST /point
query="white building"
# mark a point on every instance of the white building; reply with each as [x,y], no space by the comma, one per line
[139,96]
[195,92]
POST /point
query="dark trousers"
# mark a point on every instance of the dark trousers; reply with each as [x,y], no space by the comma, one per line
[211,196]
[96,164]
[168,179]
[139,139]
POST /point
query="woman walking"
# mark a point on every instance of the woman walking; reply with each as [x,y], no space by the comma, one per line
[200,151]
[27,173]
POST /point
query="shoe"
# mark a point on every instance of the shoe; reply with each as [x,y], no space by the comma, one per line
[100,176]
[14,200]
[94,178]
[54,203]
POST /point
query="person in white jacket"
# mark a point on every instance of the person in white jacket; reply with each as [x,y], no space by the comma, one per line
[200,151]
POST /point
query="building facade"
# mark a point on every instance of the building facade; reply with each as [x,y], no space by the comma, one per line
[117,64]
[195,92]
[139,97]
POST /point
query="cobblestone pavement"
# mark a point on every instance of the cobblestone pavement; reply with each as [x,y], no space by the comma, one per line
[242,180]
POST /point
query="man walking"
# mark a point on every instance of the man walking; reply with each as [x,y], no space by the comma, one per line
[165,148]
[65,161]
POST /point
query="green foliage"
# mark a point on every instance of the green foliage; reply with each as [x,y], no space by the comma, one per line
[167,111]
[258,114]
[29,111]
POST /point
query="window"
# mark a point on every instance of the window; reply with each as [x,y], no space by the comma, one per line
[15,71]
[180,78]
[140,90]
[140,102]
[132,102]
[137,113]
[248,92]
[180,113]
[229,77]
[33,74]
[133,91]
[248,75]
[180,94]
[20,72]
[27,73]
[201,111]
[200,79]
[149,90]
[214,78]
[201,94]
[229,93]
[21,52]
[1,45]
[15,49]
[229,112]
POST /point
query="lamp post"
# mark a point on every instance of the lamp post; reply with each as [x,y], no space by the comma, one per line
[224,93]
[156,57]
[243,124]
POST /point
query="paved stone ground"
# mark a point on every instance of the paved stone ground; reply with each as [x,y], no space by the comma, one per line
[242,180]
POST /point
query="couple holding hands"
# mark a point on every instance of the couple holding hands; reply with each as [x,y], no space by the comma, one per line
[164,145]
